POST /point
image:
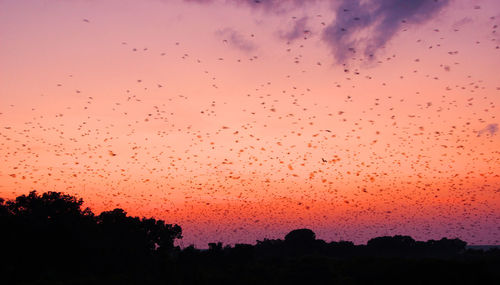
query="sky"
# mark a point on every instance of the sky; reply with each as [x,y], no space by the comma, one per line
[242,120]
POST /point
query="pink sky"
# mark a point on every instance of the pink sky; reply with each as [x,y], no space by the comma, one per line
[242,121]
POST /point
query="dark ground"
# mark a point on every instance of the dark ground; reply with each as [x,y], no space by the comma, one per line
[50,239]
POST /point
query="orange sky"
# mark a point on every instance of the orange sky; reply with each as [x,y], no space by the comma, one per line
[242,121]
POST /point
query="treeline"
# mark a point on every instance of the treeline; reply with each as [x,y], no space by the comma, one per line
[51,239]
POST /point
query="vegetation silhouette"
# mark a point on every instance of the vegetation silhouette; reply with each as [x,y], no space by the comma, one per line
[51,239]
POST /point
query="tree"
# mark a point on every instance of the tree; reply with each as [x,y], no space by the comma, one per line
[53,234]
[300,236]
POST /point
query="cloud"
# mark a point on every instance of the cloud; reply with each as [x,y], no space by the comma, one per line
[235,39]
[361,27]
[365,26]
[275,6]
[491,128]
[462,22]
[299,30]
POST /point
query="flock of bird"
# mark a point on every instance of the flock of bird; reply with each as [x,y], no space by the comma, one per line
[355,158]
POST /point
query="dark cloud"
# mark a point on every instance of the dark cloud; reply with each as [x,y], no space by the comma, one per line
[362,27]
[236,39]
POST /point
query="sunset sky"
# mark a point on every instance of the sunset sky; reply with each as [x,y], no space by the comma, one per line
[242,120]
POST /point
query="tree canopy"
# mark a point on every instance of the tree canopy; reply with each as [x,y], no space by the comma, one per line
[51,238]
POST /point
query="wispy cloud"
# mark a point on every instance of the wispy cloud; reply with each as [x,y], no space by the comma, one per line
[300,30]
[275,6]
[236,39]
[491,129]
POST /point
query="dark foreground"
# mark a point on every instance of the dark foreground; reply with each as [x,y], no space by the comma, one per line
[50,239]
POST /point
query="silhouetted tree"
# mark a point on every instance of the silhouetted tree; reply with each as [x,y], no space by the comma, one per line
[52,232]
[301,241]
[51,239]
[392,246]
[445,247]
[300,236]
